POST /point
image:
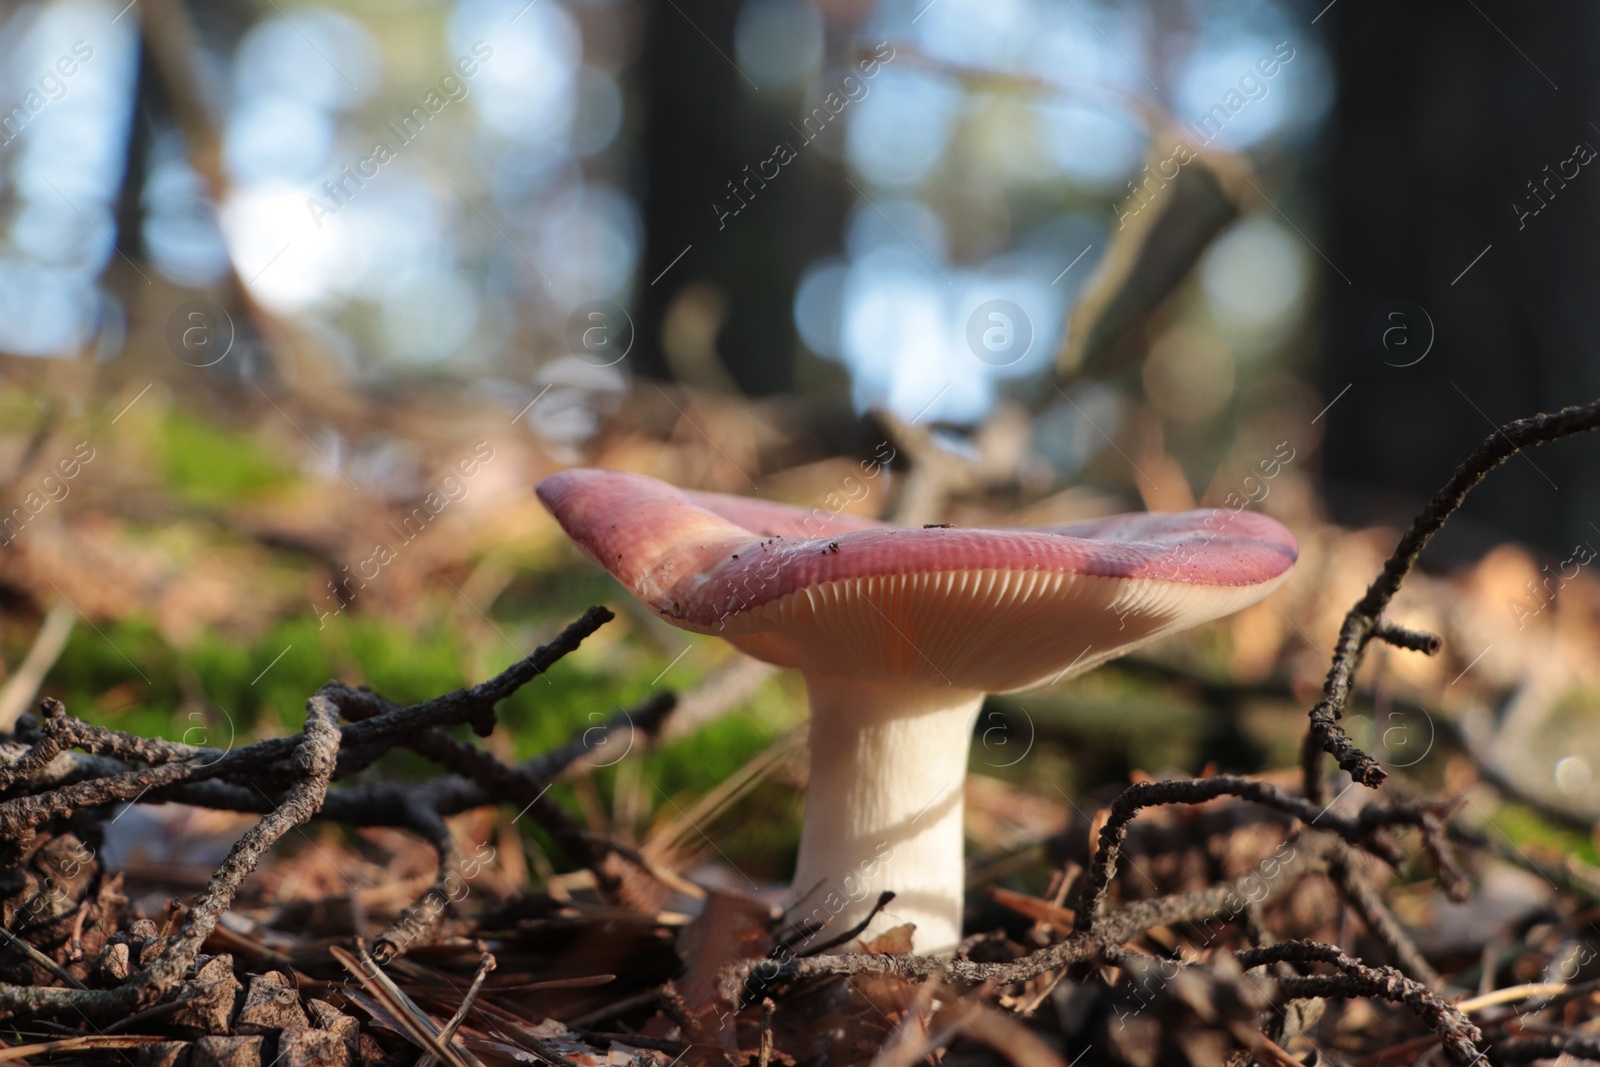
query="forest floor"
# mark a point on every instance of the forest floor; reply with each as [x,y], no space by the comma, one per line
[1353,824]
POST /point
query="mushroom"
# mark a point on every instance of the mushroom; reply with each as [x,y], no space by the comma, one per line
[899,634]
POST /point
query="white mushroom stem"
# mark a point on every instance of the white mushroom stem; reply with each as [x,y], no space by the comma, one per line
[884,809]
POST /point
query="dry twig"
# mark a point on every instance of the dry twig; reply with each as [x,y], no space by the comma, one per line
[1365,620]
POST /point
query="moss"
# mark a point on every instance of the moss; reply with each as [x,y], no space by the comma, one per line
[207,465]
[224,690]
[1524,827]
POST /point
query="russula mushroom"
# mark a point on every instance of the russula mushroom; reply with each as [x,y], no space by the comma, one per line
[899,635]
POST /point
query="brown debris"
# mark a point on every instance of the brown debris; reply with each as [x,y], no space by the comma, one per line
[271,1004]
[1218,919]
[305,1047]
[208,1001]
[164,1054]
[226,1052]
[325,1016]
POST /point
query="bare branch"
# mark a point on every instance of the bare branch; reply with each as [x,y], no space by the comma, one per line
[1364,621]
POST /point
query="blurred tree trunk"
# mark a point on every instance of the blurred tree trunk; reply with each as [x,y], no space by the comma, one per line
[136,158]
[1443,118]
[704,124]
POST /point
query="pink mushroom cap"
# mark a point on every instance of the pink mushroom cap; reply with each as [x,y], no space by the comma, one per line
[987,610]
